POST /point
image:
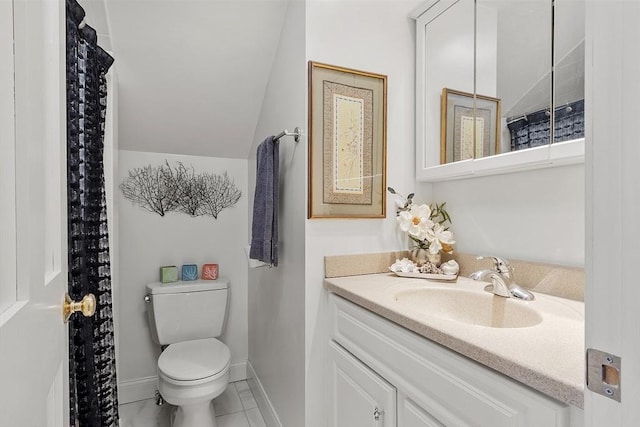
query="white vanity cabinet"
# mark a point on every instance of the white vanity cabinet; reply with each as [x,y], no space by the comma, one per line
[410,414]
[417,383]
[359,397]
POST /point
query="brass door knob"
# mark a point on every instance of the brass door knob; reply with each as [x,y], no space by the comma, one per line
[87,306]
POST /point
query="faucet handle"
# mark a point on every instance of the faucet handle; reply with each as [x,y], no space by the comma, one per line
[501,265]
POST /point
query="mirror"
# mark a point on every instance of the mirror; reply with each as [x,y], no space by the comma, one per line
[445,59]
[485,86]
[569,39]
[514,65]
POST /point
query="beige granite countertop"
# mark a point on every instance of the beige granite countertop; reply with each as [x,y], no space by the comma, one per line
[549,357]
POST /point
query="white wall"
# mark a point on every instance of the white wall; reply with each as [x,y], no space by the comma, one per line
[535,215]
[96,17]
[376,36]
[276,295]
[148,241]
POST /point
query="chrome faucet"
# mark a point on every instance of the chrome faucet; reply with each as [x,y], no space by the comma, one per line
[502,283]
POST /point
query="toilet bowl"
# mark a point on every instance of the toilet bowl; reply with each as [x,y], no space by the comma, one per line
[190,375]
[194,367]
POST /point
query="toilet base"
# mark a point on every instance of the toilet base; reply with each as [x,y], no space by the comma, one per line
[199,414]
[193,399]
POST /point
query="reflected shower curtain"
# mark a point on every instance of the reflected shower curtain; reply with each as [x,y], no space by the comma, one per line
[92,374]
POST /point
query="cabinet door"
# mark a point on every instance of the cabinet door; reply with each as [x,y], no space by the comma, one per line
[358,396]
[412,415]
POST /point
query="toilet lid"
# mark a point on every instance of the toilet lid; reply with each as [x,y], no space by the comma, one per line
[194,360]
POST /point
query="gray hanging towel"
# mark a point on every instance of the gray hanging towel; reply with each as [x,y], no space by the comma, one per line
[264,229]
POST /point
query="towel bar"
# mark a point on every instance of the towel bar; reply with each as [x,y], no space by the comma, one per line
[296,134]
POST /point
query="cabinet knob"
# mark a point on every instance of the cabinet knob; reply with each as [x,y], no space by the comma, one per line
[377,413]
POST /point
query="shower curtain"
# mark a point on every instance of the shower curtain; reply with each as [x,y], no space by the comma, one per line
[92,375]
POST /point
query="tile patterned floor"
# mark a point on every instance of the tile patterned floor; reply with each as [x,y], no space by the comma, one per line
[236,407]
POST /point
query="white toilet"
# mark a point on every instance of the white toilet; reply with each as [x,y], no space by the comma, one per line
[194,368]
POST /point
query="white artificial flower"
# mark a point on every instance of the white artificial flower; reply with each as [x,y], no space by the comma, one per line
[416,221]
[403,265]
[438,235]
[399,201]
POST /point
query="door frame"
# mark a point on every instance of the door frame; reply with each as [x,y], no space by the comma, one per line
[613,202]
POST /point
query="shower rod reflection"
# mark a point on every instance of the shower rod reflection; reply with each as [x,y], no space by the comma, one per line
[296,134]
[517,119]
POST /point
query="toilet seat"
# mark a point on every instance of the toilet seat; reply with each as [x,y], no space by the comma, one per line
[194,361]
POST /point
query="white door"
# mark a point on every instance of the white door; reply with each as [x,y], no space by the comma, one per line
[358,396]
[33,268]
[612,295]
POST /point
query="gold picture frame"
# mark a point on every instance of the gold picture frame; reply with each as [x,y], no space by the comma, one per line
[459,110]
[347,142]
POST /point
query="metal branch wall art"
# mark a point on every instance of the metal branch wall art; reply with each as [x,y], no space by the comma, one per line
[168,188]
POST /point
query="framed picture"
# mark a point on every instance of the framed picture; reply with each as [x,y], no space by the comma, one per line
[347,142]
[460,139]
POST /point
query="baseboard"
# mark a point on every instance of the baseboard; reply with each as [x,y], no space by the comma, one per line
[135,390]
[145,388]
[238,371]
[266,408]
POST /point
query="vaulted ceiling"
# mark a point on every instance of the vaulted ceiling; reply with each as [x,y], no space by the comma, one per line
[191,73]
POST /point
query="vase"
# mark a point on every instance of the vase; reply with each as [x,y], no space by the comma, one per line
[434,259]
[420,256]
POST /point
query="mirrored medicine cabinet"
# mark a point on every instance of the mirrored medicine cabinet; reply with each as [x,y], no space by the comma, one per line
[492,76]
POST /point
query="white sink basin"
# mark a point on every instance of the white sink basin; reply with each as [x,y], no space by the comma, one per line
[477,308]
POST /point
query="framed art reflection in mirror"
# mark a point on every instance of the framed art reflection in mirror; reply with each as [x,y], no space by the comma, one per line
[470,126]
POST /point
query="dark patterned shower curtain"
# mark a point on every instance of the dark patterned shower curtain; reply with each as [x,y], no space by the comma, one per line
[92,367]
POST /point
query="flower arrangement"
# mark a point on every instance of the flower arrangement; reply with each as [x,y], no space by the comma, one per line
[426,225]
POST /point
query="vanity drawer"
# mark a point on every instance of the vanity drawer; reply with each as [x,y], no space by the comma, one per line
[452,388]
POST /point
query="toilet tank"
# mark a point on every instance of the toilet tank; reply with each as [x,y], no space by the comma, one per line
[184,311]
